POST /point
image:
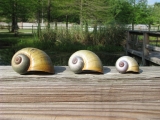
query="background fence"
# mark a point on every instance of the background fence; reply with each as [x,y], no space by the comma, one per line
[30,27]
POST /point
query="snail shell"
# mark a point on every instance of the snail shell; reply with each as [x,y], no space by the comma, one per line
[127,64]
[85,60]
[31,59]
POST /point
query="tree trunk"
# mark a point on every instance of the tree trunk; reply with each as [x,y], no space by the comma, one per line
[39,20]
[95,28]
[149,27]
[95,34]
[14,27]
[86,27]
[48,13]
[56,25]
[67,23]
[13,22]
[81,18]
[133,15]
[55,29]
[132,26]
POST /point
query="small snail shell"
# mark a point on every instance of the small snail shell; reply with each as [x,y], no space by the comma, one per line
[85,60]
[31,59]
[127,64]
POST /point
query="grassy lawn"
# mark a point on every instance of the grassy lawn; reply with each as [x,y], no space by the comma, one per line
[9,39]
[8,43]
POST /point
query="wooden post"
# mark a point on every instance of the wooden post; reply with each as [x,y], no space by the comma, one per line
[127,42]
[145,51]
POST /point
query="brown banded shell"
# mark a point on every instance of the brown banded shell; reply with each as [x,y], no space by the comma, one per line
[85,60]
[127,64]
[31,60]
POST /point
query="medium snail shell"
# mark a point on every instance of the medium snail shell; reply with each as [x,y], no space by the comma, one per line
[85,60]
[31,59]
[127,64]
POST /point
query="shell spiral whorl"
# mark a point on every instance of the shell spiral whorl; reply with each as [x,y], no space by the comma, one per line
[76,64]
[75,60]
[122,66]
[20,63]
[18,59]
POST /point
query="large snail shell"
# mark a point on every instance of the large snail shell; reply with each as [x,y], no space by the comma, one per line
[31,59]
[85,60]
[127,64]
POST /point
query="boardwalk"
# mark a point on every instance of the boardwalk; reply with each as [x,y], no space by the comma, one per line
[139,43]
[68,96]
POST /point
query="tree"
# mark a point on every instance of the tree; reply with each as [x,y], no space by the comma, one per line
[122,12]
[156,15]
[67,10]
[15,10]
[94,11]
[132,11]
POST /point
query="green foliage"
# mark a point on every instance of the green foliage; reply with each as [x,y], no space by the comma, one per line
[107,39]
[74,39]
[45,40]
[80,11]
[10,44]
[6,55]
[61,43]
[156,15]
[123,12]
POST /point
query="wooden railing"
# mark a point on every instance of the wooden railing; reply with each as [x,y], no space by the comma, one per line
[144,44]
[68,96]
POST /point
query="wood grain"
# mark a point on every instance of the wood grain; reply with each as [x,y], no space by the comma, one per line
[68,96]
[144,49]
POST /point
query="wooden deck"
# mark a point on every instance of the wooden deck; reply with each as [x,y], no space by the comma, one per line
[143,47]
[68,96]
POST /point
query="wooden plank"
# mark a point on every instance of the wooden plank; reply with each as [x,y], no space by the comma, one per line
[154,48]
[136,32]
[154,34]
[153,57]
[69,96]
[154,41]
[150,33]
[135,52]
[127,42]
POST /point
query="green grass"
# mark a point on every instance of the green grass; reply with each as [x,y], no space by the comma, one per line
[9,39]
[9,44]
[4,30]
[25,30]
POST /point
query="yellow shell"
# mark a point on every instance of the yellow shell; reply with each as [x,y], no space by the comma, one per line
[31,59]
[127,64]
[85,60]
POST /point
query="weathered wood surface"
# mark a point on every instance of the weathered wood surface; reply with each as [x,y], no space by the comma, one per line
[143,48]
[68,96]
[152,56]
